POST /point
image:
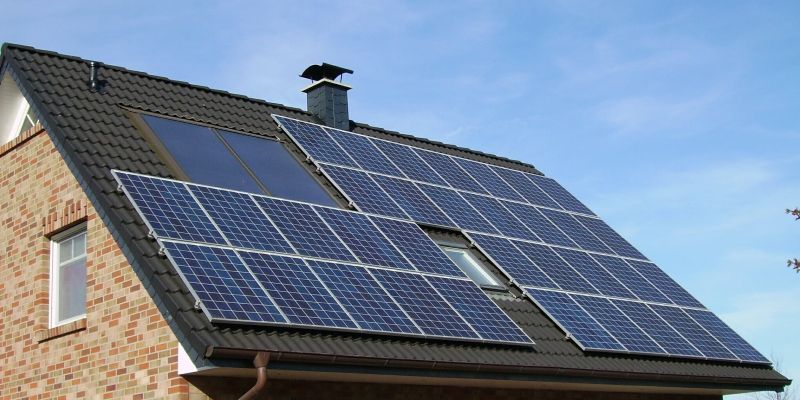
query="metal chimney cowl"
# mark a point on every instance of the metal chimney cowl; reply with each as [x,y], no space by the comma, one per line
[327,99]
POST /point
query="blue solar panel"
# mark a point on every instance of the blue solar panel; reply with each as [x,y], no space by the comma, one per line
[450,171]
[364,152]
[297,291]
[426,307]
[315,142]
[169,209]
[363,238]
[364,192]
[239,218]
[667,337]
[693,332]
[409,162]
[582,236]
[457,208]
[665,284]
[723,333]
[304,229]
[631,279]
[363,298]
[559,194]
[538,224]
[552,265]
[508,258]
[413,201]
[525,187]
[611,238]
[417,247]
[219,280]
[618,325]
[488,179]
[483,314]
[577,322]
[494,212]
[595,273]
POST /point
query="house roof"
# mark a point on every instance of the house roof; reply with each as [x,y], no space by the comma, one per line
[94,134]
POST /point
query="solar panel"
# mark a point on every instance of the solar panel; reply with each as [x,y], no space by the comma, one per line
[315,142]
[725,335]
[457,208]
[409,162]
[552,265]
[488,179]
[538,224]
[611,238]
[494,212]
[221,282]
[241,220]
[523,186]
[665,284]
[559,194]
[413,201]
[297,291]
[450,171]
[618,325]
[304,229]
[668,338]
[590,269]
[621,270]
[169,208]
[483,314]
[363,238]
[423,304]
[693,332]
[364,152]
[364,192]
[508,258]
[582,236]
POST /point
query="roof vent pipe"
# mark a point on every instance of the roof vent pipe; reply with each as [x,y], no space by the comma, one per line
[327,99]
[94,83]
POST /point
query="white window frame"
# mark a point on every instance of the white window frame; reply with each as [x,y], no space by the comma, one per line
[477,266]
[13,119]
[55,269]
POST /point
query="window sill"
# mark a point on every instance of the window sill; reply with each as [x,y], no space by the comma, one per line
[61,330]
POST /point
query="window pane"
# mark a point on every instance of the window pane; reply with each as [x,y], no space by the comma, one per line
[64,250]
[78,245]
[72,289]
[470,266]
[281,173]
[201,154]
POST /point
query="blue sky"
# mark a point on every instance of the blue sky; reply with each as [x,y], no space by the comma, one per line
[674,121]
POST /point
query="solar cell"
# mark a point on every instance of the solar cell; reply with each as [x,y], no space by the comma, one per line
[304,229]
[364,192]
[509,259]
[421,302]
[484,315]
[621,270]
[572,318]
[667,337]
[525,187]
[361,295]
[610,237]
[417,247]
[413,201]
[315,142]
[693,332]
[489,180]
[665,284]
[363,152]
[457,208]
[559,194]
[601,279]
[723,333]
[618,325]
[363,238]
[297,291]
[552,265]
[409,162]
[222,283]
[497,215]
[239,218]
[450,171]
[538,224]
[582,236]
[169,208]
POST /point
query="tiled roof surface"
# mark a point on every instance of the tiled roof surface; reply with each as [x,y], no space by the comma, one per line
[95,135]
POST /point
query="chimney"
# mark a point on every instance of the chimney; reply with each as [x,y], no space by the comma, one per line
[327,99]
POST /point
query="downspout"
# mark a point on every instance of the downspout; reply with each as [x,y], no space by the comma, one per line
[260,362]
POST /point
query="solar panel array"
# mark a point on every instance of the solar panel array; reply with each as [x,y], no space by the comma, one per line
[603,292]
[254,259]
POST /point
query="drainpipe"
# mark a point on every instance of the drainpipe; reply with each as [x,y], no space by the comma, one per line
[260,362]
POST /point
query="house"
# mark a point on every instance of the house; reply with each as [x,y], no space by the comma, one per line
[97,301]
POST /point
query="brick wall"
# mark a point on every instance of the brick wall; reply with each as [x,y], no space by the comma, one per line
[123,349]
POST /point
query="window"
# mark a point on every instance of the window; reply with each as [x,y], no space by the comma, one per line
[472,267]
[68,277]
[16,115]
[236,161]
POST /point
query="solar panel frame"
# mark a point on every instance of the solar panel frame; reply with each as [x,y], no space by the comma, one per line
[595,273]
[505,256]
[450,171]
[615,322]
[726,336]
[412,165]
[413,201]
[555,267]
[665,284]
[610,237]
[558,193]
[662,332]
[576,231]
[493,211]
[693,332]
[315,141]
[530,192]
[364,152]
[629,277]
[493,183]
[457,209]
[537,223]
[362,191]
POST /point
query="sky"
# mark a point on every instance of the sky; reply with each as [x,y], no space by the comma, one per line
[674,121]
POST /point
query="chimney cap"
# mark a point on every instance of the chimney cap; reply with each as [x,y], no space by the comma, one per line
[324,71]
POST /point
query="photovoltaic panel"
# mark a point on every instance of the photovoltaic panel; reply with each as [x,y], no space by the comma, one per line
[315,142]
[304,229]
[723,333]
[417,247]
[450,171]
[667,337]
[506,256]
[409,162]
[611,238]
[421,302]
[552,265]
[559,194]
[494,212]
[364,152]
[223,285]
[595,273]
[457,208]
[413,201]
[621,270]
[483,314]
[538,224]
[363,298]
[488,179]
[297,291]
[364,192]
[618,325]
[693,332]
[525,187]
[363,238]
[582,236]
[577,322]
[169,208]
[241,220]
[665,284]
